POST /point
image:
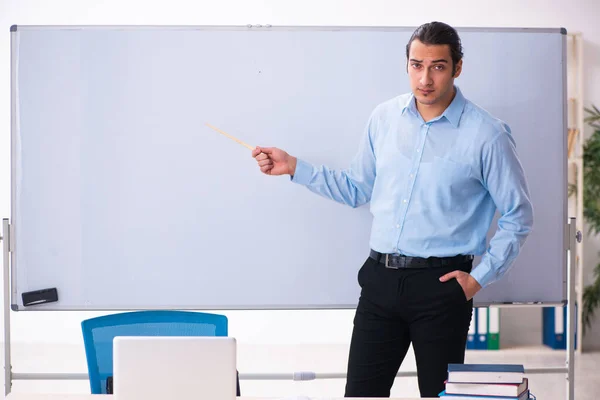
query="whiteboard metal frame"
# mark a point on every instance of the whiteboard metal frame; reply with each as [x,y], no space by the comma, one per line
[16,28]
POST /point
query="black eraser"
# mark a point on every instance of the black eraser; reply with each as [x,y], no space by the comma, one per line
[13,28]
[39,297]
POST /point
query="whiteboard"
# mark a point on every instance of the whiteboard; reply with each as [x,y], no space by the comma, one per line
[122,198]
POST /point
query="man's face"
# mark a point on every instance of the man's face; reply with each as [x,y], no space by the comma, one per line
[430,73]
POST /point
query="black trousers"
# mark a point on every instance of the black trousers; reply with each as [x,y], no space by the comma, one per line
[398,307]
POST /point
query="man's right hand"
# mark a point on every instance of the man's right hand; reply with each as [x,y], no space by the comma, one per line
[274,161]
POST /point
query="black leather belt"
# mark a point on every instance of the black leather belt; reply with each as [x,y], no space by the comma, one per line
[396,261]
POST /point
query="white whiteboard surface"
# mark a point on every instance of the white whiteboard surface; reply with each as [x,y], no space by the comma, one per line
[123,199]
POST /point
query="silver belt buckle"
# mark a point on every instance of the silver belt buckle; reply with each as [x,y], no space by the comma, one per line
[387,262]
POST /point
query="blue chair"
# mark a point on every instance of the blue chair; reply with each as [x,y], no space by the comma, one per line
[98,335]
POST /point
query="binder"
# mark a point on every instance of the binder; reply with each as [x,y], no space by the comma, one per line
[471,334]
[493,335]
[554,327]
[482,329]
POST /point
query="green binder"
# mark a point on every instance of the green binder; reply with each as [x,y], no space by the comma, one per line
[493,339]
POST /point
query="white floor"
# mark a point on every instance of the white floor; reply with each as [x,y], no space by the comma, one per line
[52,358]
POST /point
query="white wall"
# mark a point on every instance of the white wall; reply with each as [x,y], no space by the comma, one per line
[298,326]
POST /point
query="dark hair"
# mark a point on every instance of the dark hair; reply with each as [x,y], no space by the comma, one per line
[433,33]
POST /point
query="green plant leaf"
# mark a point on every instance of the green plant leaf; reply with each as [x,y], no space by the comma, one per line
[591,301]
[591,209]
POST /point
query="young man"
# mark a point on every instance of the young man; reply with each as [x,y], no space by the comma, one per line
[435,167]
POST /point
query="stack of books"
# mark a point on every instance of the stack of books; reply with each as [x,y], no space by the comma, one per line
[486,382]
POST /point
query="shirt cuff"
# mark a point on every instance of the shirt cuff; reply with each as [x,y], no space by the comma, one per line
[303,173]
[483,274]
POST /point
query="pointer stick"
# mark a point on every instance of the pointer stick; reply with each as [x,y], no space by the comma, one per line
[231,137]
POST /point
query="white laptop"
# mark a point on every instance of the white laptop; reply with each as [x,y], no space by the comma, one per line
[174,367]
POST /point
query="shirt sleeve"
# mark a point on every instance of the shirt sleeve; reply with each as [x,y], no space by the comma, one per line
[352,186]
[505,180]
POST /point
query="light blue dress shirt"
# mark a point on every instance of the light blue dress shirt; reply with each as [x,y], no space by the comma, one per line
[434,187]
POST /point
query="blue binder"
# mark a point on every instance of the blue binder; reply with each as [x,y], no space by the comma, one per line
[554,321]
[482,329]
[471,335]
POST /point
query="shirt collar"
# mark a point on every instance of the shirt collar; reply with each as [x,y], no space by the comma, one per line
[452,113]
[410,105]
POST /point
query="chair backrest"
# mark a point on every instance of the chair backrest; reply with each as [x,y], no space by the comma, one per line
[98,335]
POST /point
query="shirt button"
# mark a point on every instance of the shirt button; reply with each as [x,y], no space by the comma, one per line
[404,201]
[398,226]
[411,175]
[418,150]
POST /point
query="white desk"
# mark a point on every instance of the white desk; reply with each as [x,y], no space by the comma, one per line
[27,396]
